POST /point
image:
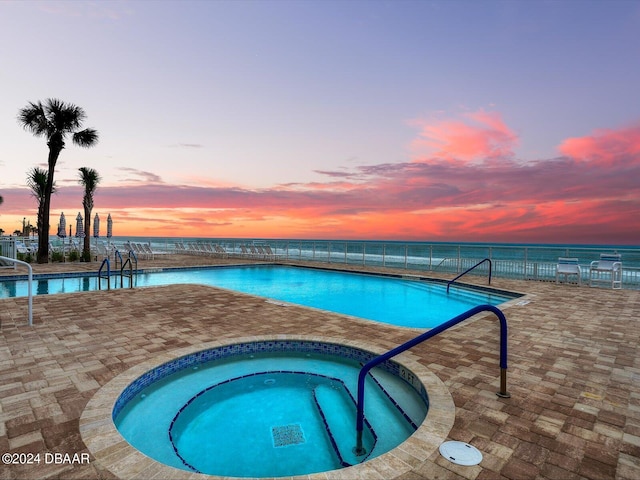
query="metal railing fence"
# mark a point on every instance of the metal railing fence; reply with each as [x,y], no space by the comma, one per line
[509,261]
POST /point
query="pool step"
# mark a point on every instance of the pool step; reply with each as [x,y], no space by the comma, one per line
[388,397]
[338,411]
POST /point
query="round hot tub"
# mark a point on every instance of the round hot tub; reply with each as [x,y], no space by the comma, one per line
[275,407]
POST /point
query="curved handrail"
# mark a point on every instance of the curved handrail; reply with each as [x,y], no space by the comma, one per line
[359,450]
[469,269]
[130,273]
[135,257]
[29,288]
[105,261]
[116,255]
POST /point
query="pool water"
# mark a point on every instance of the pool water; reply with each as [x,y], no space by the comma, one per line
[394,300]
[268,414]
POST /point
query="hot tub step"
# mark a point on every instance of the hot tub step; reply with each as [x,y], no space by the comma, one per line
[338,411]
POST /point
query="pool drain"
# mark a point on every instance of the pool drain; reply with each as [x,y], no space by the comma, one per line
[461,453]
[287,435]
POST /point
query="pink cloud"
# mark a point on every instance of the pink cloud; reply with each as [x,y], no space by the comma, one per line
[480,135]
[562,199]
[605,146]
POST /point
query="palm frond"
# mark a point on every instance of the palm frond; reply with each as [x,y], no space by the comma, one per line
[37,182]
[66,117]
[34,119]
[89,178]
[86,138]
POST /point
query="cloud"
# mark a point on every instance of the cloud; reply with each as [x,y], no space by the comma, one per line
[145,177]
[605,147]
[478,135]
[588,194]
[187,145]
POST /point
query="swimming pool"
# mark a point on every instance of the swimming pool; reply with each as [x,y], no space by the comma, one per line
[397,300]
[268,409]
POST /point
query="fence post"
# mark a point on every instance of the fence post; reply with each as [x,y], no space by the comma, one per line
[406,255]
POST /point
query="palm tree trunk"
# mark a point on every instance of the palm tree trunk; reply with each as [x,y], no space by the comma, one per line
[43,232]
[86,253]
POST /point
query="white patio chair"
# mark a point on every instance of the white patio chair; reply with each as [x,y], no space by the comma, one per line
[566,267]
[607,270]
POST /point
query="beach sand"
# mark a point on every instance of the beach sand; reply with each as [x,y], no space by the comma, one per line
[574,373]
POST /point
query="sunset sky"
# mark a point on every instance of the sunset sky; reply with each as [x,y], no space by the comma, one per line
[490,121]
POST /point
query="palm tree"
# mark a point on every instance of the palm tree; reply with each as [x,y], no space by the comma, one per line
[54,120]
[37,179]
[89,178]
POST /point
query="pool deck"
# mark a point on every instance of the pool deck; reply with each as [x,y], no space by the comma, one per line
[574,372]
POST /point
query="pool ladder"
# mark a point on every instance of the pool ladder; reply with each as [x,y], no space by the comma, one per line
[359,449]
[124,271]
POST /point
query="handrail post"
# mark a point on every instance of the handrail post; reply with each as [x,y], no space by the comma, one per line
[29,287]
[359,449]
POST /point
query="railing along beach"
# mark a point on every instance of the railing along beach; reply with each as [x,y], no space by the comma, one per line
[524,262]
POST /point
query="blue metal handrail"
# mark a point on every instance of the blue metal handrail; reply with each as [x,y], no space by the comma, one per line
[116,256]
[130,275]
[108,277]
[133,255]
[469,269]
[359,450]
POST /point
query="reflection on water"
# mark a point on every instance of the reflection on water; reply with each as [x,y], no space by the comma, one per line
[43,287]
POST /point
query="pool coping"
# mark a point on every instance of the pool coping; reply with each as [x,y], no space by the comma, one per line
[114,453]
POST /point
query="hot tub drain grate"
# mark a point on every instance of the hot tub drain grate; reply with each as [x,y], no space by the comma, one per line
[287,435]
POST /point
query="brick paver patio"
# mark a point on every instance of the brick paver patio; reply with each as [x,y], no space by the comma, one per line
[574,373]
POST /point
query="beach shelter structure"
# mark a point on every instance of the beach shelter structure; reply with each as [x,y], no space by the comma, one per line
[96,226]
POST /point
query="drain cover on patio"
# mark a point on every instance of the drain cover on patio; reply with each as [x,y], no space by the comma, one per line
[287,435]
[461,453]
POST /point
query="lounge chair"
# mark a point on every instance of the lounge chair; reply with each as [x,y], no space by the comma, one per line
[607,270]
[147,249]
[566,267]
[269,252]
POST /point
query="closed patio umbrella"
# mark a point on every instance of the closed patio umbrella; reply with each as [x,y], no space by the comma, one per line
[79,226]
[109,231]
[62,230]
[62,226]
[96,229]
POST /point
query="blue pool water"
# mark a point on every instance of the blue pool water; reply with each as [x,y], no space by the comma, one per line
[268,413]
[394,300]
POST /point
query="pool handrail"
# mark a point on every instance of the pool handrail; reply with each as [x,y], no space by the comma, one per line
[116,255]
[359,450]
[108,277]
[133,255]
[469,269]
[29,288]
[130,275]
